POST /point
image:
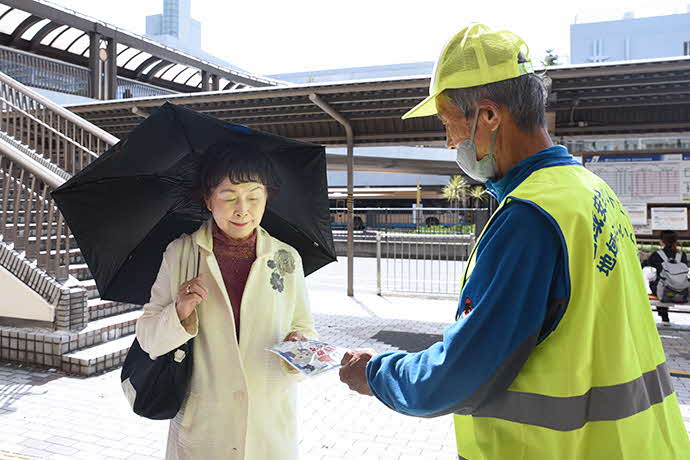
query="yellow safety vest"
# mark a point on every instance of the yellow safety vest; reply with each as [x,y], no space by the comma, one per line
[598,386]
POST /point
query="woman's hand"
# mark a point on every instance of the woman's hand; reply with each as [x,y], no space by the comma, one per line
[189,295]
[295,336]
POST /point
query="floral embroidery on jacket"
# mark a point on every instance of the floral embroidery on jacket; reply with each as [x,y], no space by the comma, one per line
[282,264]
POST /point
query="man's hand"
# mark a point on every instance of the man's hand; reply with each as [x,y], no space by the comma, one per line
[354,370]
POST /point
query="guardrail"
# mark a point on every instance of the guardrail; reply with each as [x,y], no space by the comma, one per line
[414,220]
[421,264]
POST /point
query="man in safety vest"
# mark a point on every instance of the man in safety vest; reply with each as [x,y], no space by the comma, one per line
[554,353]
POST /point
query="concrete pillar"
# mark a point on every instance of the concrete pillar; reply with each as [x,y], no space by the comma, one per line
[95,78]
[111,69]
[215,82]
[204,80]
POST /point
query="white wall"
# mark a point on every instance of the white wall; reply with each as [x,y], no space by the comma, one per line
[20,301]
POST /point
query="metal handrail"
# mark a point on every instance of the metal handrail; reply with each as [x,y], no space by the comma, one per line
[105,136]
[41,146]
[40,171]
[48,132]
[29,219]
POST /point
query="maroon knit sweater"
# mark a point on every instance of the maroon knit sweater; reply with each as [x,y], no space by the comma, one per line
[235,259]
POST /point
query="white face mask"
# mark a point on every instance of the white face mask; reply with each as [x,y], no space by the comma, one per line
[481,170]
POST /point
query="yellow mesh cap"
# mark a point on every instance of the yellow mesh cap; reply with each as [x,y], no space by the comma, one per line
[474,56]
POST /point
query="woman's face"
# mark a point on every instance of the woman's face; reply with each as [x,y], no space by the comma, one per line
[237,208]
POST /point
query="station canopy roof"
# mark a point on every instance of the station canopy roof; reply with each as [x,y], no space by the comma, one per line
[48,30]
[632,98]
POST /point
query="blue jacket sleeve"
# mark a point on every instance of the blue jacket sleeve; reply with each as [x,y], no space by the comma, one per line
[504,303]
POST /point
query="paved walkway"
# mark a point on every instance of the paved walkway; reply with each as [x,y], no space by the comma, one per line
[51,416]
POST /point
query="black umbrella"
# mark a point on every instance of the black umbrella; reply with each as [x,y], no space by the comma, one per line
[127,205]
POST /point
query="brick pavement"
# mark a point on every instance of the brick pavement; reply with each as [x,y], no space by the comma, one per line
[50,416]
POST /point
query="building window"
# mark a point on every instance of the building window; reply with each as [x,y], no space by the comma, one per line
[596,48]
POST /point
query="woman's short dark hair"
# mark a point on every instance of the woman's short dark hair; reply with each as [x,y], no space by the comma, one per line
[240,165]
[669,237]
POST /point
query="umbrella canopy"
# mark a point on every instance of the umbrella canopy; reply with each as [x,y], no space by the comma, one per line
[126,206]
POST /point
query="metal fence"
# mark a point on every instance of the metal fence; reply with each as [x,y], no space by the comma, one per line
[421,264]
[127,88]
[413,220]
[46,73]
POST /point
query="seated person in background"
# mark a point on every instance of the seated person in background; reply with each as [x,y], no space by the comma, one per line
[671,265]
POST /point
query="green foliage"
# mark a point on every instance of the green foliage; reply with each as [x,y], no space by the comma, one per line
[641,247]
[441,229]
[478,193]
[550,58]
[455,191]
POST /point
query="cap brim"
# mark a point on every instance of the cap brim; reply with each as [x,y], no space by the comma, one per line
[424,109]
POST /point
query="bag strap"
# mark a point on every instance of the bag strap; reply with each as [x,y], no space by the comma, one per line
[663,255]
[198,259]
[678,256]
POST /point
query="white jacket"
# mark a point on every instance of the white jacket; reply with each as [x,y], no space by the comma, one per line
[241,403]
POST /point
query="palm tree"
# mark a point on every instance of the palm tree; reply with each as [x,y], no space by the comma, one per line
[478,193]
[455,191]
[550,59]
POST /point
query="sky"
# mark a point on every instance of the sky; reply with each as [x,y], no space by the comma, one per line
[278,36]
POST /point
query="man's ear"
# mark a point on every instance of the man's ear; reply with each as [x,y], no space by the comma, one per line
[491,114]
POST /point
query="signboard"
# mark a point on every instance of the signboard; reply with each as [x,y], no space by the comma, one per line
[644,230]
[669,218]
[637,213]
[645,179]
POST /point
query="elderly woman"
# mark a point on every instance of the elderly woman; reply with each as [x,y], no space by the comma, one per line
[250,294]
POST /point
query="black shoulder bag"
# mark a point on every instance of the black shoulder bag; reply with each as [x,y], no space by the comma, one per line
[156,388]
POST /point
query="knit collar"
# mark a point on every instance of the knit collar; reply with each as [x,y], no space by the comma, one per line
[204,238]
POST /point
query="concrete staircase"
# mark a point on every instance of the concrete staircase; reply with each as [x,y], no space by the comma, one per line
[42,145]
[104,342]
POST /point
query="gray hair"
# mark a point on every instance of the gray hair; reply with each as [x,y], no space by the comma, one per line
[524,96]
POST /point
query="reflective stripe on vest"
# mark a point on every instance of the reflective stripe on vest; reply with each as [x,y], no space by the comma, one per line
[613,402]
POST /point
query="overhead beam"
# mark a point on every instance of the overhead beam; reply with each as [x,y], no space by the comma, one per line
[139,71]
[23,27]
[369,164]
[43,10]
[172,64]
[618,153]
[43,32]
[607,70]
[259,93]
[75,41]
[56,36]
[124,66]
